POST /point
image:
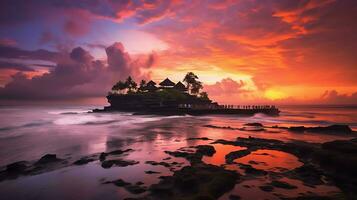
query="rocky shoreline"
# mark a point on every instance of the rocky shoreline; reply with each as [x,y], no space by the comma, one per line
[329,163]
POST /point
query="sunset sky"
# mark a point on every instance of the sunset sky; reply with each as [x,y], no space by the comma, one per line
[244,51]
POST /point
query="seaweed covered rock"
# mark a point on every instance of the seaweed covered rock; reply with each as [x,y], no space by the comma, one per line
[199,181]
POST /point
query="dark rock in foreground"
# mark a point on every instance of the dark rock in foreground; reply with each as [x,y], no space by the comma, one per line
[152,172]
[234,197]
[194,157]
[206,150]
[17,167]
[104,155]
[266,188]
[84,160]
[132,188]
[281,184]
[236,154]
[48,158]
[336,160]
[200,181]
[118,162]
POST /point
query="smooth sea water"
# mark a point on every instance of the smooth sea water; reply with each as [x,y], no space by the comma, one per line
[29,132]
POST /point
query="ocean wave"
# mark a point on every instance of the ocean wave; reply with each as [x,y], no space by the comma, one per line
[100,122]
[32,124]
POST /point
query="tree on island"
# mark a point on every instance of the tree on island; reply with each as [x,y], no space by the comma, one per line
[119,87]
[204,96]
[142,86]
[193,85]
[131,85]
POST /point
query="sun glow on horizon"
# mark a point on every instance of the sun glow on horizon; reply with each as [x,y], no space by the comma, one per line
[273,94]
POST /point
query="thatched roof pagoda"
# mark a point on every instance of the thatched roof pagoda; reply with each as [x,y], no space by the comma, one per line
[151,86]
[180,86]
[167,83]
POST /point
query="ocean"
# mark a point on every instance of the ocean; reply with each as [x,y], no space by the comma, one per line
[29,132]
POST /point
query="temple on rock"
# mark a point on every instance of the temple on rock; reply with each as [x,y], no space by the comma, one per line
[171,98]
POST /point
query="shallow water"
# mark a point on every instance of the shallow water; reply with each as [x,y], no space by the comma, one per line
[270,160]
[27,133]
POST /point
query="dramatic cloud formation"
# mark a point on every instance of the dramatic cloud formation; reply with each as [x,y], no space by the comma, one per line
[228,87]
[78,74]
[333,97]
[282,50]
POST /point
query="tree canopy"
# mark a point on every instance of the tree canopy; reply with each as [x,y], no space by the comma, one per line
[131,85]
[192,83]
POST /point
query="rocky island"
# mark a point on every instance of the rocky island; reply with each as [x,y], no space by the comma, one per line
[169,98]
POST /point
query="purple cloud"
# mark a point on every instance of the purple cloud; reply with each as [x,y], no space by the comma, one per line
[78,75]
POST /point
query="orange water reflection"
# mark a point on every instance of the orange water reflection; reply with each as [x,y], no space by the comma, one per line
[221,151]
[270,160]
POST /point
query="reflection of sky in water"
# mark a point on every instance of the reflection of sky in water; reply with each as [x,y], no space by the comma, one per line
[27,133]
[270,160]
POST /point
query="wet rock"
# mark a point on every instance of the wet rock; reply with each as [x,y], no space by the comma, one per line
[314,197]
[165,164]
[139,183]
[48,158]
[118,162]
[236,154]
[284,185]
[103,155]
[83,161]
[308,174]
[119,183]
[134,189]
[254,124]
[221,127]
[194,157]
[248,169]
[339,129]
[341,146]
[266,188]
[151,172]
[206,150]
[234,197]
[17,167]
[196,181]
[297,128]
[119,151]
